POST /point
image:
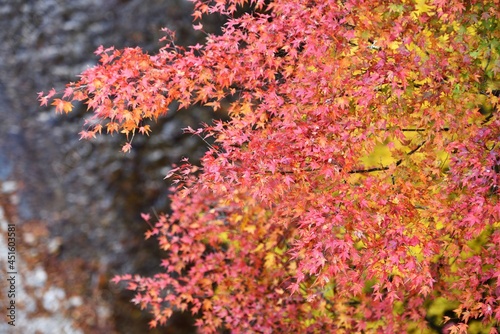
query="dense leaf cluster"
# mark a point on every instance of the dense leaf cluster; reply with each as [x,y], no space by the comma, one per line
[355,181]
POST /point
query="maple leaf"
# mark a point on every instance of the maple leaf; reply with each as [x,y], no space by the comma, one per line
[126,147]
[62,106]
[145,130]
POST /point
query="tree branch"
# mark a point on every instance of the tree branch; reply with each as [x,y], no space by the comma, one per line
[378,169]
[357,171]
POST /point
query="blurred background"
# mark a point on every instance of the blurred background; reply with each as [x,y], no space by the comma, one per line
[77,204]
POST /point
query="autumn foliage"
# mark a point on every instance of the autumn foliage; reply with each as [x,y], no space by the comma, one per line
[356,180]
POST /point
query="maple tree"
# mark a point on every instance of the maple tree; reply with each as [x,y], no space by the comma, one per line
[355,181]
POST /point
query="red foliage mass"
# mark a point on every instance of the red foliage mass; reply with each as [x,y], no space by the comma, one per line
[288,225]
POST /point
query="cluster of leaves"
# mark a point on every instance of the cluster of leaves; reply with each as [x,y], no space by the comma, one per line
[355,181]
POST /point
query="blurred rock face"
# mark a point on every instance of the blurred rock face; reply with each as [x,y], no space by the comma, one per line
[76,204]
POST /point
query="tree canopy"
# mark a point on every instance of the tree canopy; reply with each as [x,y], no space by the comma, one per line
[356,180]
